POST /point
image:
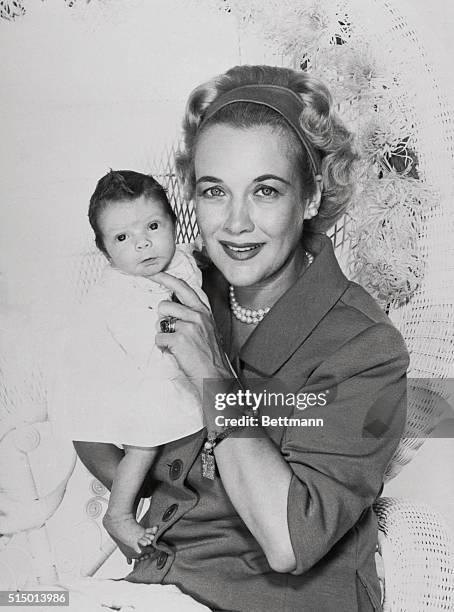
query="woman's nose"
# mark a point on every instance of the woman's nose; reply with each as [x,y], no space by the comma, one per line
[238,219]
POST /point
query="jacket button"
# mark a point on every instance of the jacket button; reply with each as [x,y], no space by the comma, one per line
[161,560]
[176,467]
[169,512]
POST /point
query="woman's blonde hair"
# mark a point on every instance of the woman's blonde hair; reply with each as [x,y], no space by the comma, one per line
[319,122]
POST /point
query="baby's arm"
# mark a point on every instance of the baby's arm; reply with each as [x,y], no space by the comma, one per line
[120,520]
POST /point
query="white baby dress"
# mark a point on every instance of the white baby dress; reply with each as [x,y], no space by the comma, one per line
[112,383]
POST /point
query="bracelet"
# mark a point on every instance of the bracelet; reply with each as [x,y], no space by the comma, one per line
[213,439]
[208,460]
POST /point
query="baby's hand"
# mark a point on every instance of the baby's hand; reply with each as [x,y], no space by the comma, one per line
[128,534]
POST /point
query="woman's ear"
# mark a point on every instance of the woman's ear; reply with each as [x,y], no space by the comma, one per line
[312,205]
[311,210]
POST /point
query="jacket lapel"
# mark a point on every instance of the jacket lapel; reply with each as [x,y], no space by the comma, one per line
[297,313]
[294,315]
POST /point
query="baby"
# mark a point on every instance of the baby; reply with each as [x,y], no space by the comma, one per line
[113,384]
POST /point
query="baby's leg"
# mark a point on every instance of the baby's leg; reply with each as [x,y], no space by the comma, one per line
[119,519]
[128,534]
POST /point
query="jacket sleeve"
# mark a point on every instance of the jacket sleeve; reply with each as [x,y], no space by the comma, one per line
[338,468]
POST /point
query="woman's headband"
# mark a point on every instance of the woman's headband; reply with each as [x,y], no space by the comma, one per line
[282,100]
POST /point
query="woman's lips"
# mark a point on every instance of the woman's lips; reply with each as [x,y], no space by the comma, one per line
[240,252]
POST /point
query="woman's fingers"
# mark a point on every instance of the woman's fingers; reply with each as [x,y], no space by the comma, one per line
[166,308]
[181,289]
[190,334]
[183,329]
[196,358]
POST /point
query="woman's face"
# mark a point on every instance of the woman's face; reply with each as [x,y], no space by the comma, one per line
[249,204]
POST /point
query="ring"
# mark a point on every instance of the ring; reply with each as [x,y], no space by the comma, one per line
[168,326]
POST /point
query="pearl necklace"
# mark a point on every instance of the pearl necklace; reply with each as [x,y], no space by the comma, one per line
[249,315]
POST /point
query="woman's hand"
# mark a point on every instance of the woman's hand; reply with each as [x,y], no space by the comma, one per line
[194,344]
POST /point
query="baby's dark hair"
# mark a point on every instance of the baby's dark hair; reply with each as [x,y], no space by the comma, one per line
[124,185]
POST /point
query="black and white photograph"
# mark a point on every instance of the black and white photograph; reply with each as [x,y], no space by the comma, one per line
[227,305]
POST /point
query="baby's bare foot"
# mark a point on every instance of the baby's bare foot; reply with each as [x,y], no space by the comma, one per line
[127,531]
[148,536]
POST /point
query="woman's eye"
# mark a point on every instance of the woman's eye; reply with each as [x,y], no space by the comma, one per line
[121,238]
[213,192]
[153,226]
[266,191]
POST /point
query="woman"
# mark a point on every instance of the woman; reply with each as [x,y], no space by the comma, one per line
[284,521]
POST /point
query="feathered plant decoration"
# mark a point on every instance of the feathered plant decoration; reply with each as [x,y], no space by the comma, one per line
[385,220]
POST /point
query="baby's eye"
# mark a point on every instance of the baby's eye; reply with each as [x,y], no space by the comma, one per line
[266,191]
[153,225]
[213,192]
[121,238]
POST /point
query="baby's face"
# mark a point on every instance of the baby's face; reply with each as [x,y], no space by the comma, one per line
[138,235]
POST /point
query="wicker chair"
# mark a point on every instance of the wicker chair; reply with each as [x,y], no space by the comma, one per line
[418,557]
[416,549]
